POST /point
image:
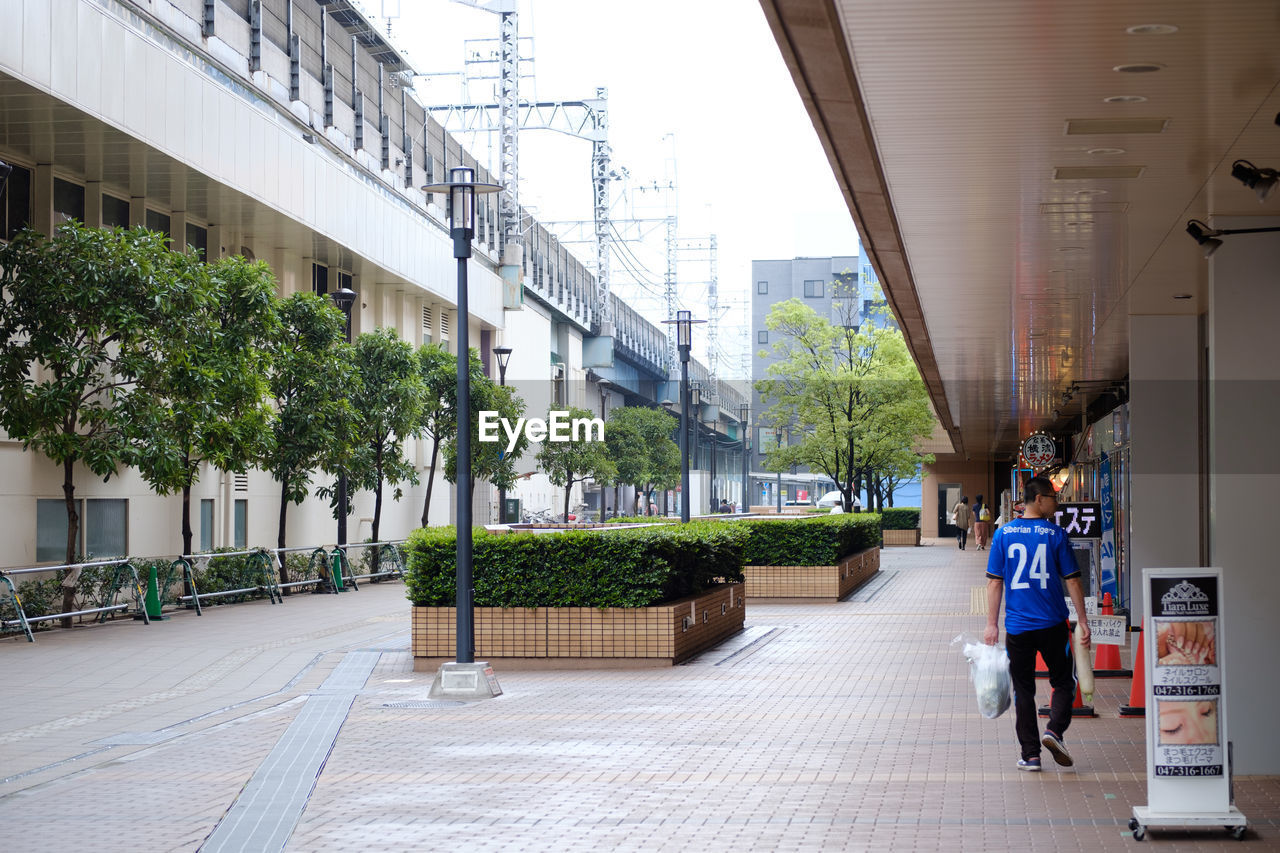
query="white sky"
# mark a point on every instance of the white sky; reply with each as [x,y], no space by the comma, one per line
[700,78]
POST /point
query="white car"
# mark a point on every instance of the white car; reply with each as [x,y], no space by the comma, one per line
[832,499]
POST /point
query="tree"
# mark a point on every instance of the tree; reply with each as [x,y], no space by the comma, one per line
[208,392]
[78,317]
[640,444]
[437,419]
[490,460]
[310,384]
[569,462]
[848,392]
[386,400]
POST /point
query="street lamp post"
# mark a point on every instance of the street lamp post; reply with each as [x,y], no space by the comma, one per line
[344,298]
[744,418]
[503,355]
[684,342]
[464,677]
[695,451]
[779,495]
[715,432]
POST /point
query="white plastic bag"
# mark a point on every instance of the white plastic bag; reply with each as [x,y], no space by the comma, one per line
[989,672]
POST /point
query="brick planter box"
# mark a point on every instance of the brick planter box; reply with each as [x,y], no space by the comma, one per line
[901,537]
[584,637]
[811,583]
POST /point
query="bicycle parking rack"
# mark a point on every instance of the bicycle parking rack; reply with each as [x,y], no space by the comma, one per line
[258,556]
[117,580]
[332,569]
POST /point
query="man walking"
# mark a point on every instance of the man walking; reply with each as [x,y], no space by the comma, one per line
[1030,560]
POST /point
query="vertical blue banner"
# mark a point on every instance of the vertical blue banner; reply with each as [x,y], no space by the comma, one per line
[1108,580]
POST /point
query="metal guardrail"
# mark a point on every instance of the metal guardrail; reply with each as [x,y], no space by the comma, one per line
[333,575]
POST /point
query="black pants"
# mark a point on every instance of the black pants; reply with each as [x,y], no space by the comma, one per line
[962,534]
[1054,645]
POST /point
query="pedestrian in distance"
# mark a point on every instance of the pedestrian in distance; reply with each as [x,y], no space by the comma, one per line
[963,519]
[981,522]
[1030,562]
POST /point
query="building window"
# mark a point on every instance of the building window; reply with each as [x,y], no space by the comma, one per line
[15,203]
[68,201]
[762,287]
[319,279]
[157,221]
[762,337]
[103,533]
[115,212]
[198,238]
[813,289]
[206,525]
[241,527]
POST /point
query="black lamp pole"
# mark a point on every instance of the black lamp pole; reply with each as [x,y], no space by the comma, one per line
[779,495]
[715,432]
[503,355]
[462,189]
[744,417]
[344,298]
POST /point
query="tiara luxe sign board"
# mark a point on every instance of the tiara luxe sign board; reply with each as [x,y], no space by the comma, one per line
[1188,753]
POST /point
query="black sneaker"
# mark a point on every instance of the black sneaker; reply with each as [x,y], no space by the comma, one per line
[1056,748]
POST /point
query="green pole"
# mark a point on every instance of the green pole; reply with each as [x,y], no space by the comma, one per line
[337,569]
[153,595]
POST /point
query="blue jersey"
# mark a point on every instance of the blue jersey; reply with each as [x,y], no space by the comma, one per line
[1032,556]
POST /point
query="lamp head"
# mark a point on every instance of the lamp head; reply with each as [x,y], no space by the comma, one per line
[1261,181]
[344,298]
[503,354]
[1204,235]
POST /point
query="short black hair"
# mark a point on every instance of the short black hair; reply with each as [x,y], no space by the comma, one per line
[1038,487]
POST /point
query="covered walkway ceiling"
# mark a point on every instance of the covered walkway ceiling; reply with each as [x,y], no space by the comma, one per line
[1022,174]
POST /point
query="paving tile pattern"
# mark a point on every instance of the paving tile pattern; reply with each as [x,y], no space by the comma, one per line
[842,726]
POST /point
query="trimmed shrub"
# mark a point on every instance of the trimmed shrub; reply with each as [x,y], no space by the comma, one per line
[819,541]
[643,519]
[579,568]
[900,518]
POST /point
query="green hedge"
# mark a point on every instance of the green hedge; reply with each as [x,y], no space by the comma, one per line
[820,541]
[900,518]
[579,568]
[643,519]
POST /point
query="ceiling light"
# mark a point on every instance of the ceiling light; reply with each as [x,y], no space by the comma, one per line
[1091,192]
[1124,99]
[1138,67]
[1151,30]
[1182,296]
[1208,237]
[1071,248]
[1261,181]
[1105,151]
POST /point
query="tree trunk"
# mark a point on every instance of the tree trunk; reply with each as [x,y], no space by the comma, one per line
[568,490]
[431,480]
[284,506]
[73,537]
[377,498]
[186,517]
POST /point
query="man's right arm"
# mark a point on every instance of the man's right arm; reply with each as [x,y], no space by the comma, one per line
[995,592]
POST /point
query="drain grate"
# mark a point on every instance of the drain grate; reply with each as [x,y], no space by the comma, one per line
[426,703]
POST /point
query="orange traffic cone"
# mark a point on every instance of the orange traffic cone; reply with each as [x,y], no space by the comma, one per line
[1078,708]
[1042,669]
[1137,706]
[1107,663]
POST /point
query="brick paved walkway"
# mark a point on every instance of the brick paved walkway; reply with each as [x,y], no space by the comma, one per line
[848,726]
